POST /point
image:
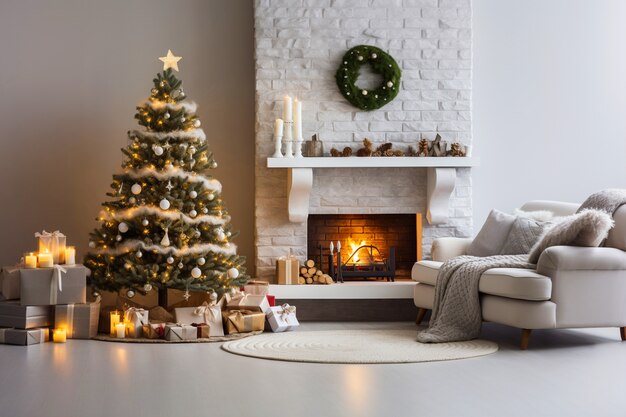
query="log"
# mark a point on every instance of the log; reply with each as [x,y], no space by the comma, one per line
[312,271]
[301,280]
[310,263]
[309,281]
[303,270]
[319,272]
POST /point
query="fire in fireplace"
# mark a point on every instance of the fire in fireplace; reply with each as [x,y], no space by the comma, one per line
[365,246]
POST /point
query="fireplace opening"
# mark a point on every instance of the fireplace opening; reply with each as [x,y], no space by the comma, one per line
[367,246]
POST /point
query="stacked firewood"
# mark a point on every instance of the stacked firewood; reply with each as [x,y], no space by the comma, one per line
[309,274]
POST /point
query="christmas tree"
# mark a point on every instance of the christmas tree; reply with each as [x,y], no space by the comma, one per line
[166,225]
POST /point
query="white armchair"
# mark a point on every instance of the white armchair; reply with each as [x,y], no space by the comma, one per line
[571,287]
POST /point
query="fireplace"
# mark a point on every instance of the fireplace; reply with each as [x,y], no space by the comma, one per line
[373,246]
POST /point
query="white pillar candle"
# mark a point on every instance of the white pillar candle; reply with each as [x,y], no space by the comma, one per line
[278,127]
[297,120]
[287,111]
[120,329]
[115,320]
[70,255]
[30,261]
[45,260]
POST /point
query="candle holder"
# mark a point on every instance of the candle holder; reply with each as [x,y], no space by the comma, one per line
[288,138]
[278,144]
[299,147]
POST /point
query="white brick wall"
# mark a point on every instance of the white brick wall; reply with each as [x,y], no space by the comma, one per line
[299,44]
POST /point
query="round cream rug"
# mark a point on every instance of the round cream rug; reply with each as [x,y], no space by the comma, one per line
[355,346]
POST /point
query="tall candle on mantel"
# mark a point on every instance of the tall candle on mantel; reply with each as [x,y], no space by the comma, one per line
[297,120]
[287,109]
[278,128]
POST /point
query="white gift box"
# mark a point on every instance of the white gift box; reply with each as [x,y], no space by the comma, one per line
[282,318]
[249,302]
[205,313]
[135,318]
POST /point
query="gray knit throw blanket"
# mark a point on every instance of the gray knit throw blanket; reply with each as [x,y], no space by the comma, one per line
[605,200]
[456,314]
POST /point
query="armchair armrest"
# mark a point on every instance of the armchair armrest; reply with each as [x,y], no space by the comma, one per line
[445,248]
[575,258]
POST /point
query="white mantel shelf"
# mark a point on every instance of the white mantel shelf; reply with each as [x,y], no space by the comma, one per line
[441,176]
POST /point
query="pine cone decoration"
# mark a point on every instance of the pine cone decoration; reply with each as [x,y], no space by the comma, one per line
[347,151]
[398,152]
[456,150]
[384,147]
[411,151]
[422,147]
[334,152]
[366,150]
[388,152]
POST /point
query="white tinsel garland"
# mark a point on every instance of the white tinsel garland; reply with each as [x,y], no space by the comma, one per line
[209,184]
[177,134]
[128,214]
[190,107]
[133,245]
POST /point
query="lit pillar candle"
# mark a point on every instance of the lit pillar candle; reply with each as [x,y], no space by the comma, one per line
[115,320]
[59,335]
[30,261]
[120,330]
[45,260]
[70,255]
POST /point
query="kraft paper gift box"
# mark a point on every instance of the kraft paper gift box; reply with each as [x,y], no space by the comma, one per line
[282,318]
[12,314]
[205,313]
[135,318]
[243,321]
[154,330]
[79,320]
[53,243]
[257,287]
[204,329]
[61,284]
[24,337]
[178,332]
[249,302]
[11,282]
[287,270]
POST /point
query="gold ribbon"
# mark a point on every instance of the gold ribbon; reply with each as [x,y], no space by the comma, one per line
[207,311]
[135,313]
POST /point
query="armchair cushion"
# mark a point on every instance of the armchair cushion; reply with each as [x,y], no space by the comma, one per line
[425,272]
[617,235]
[445,248]
[492,235]
[587,228]
[574,258]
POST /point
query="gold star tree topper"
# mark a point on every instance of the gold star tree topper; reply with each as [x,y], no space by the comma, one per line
[170,60]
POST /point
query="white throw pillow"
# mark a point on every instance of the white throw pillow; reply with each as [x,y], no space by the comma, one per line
[538,215]
[490,240]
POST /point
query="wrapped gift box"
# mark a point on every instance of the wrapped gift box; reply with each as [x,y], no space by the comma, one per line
[51,286]
[24,337]
[135,318]
[243,321]
[282,318]
[177,332]
[12,314]
[249,302]
[204,330]
[54,243]
[257,287]
[154,330]
[79,320]
[287,270]
[11,282]
[205,313]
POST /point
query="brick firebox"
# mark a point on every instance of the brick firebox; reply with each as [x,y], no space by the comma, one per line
[402,231]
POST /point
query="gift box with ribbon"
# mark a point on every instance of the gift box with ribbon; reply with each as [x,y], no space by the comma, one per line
[12,314]
[243,321]
[53,243]
[205,313]
[178,332]
[154,330]
[282,318]
[61,284]
[24,337]
[10,282]
[79,320]
[257,287]
[135,318]
[287,270]
[248,302]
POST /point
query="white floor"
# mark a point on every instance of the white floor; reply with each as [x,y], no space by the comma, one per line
[565,373]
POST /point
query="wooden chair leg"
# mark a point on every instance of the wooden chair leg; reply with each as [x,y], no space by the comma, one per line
[525,339]
[622,332]
[421,312]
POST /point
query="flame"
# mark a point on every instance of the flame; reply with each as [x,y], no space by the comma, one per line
[354,246]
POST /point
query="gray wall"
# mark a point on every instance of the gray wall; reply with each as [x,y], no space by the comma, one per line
[71,74]
[549,101]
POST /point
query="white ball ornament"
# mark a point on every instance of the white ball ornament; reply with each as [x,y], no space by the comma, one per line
[147,287]
[193,213]
[389,84]
[196,233]
[233,273]
[164,204]
[196,272]
[132,200]
[228,234]
[201,261]
[364,92]
[139,254]
[166,116]
[180,265]
[210,197]
[182,119]
[170,260]
[145,222]
[118,238]
[196,123]
[360,58]
[192,150]
[130,293]
[92,244]
[213,296]
[221,235]
[205,210]
[135,189]
[193,194]
[213,164]
[127,265]
[158,150]
[374,56]
[122,227]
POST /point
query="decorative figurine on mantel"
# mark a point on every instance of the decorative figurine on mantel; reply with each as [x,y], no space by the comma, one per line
[314,147]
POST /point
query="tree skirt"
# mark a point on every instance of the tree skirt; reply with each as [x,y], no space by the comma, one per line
[226,338]
[355,346]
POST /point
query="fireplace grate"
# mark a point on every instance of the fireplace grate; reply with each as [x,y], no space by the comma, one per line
[375,266]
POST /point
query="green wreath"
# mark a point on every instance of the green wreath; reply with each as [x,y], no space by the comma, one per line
[382,63]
